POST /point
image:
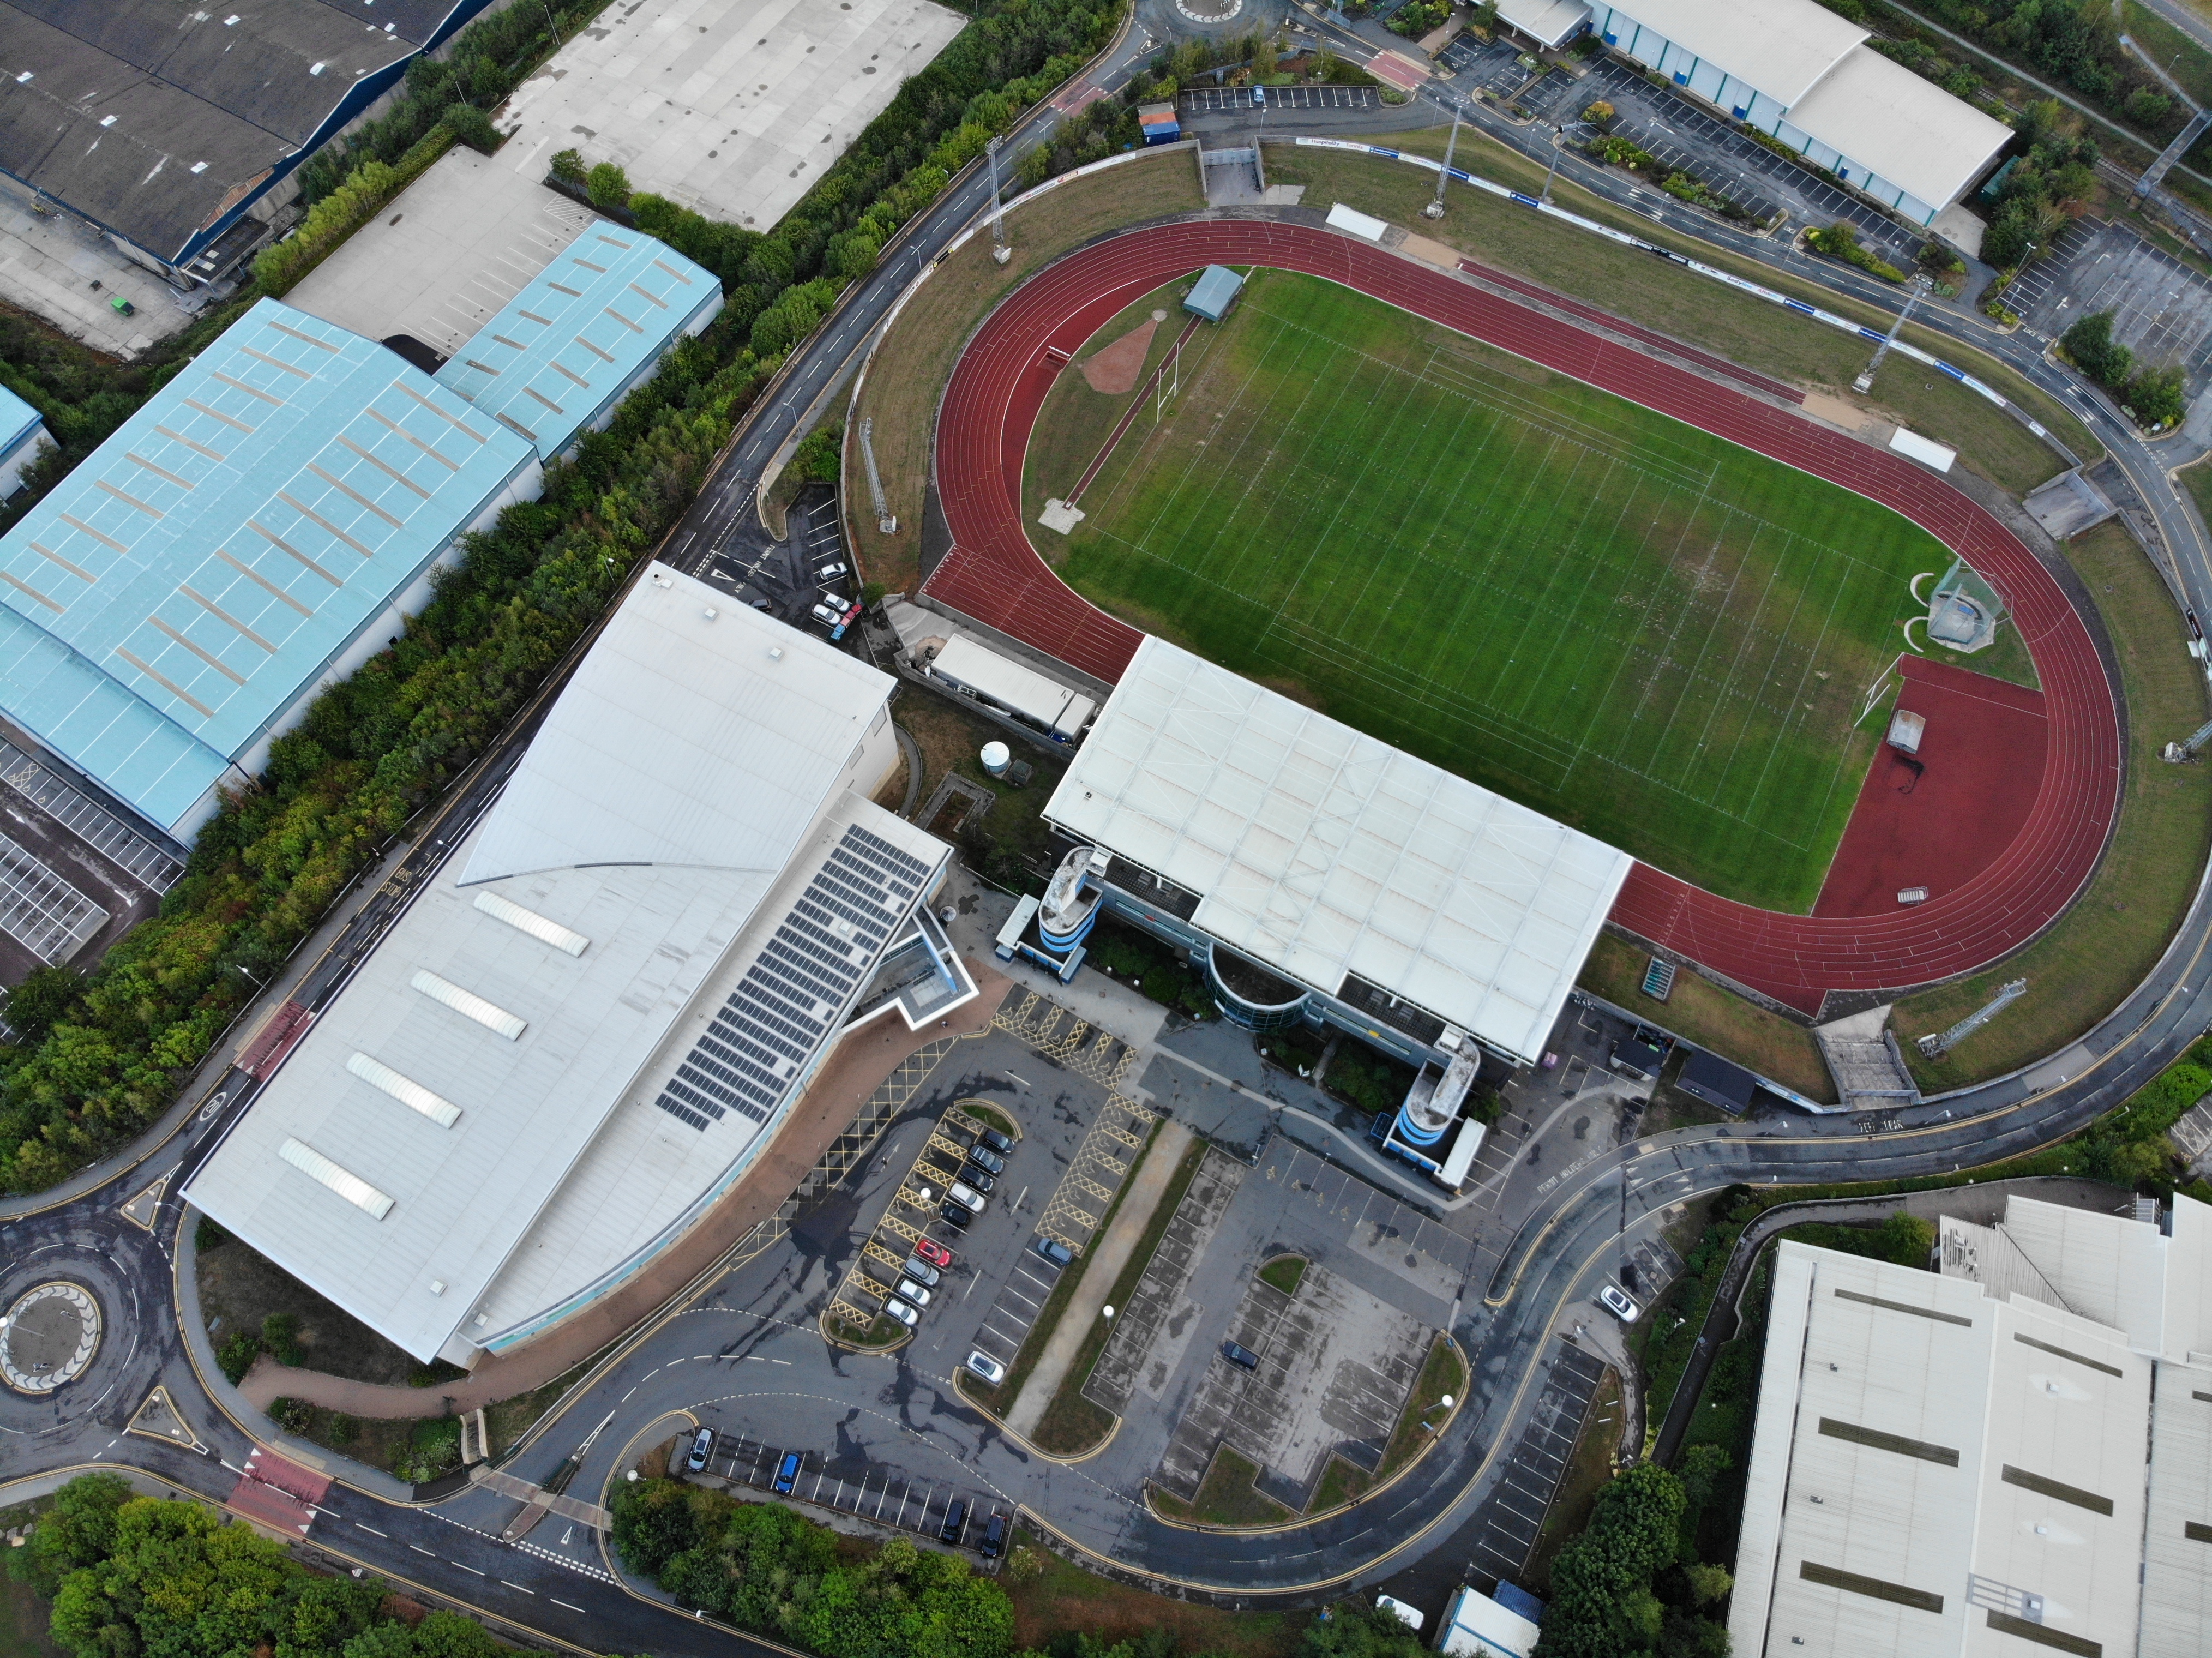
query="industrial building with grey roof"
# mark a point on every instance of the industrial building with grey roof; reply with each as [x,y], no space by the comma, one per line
[591,1020]
[164,125]
[2013,1453]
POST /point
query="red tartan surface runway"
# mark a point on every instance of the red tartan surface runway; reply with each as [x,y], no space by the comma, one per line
[994,574]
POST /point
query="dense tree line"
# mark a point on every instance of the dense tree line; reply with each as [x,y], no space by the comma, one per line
[96,1058]
[130,1574]
[1631,1582]
[2152,393]
[763,1568]
[2073,44]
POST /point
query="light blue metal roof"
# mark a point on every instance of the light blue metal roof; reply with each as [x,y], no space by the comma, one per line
[1217,287]
[18,419]
[177,592]
[564,348]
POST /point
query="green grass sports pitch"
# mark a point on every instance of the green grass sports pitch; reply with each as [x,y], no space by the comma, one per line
[1635,626]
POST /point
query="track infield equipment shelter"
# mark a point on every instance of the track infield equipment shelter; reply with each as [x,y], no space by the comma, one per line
[593,1019]
[2009,1455]
[1215,292]
[260,525]
[1322,874]
[1801,73]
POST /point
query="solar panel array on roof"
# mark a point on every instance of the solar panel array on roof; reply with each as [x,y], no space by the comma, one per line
[182,588]
[775,1021]
[559,353]
[163,123]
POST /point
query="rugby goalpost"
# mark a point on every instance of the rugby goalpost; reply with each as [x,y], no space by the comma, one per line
[1880,688]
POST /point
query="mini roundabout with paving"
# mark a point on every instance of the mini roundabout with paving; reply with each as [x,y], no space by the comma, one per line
[1951,859]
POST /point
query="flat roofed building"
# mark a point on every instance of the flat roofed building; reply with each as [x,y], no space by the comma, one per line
[555,359]
[1405,899]
[446,256]
[1954,1462]
[599,1011]
[1055,709]
[162,125]
[1551,23]
[1801,73]
[261,524]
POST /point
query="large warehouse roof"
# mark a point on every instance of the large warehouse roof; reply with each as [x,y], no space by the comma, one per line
[445,254]
[178,591]
[562,348]
[1780,46]
[1945,1460]
[156,121]
[484,1088]
[1906,128]
[1323,852]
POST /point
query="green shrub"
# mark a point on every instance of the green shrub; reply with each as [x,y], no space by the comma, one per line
[2154,395]
[1372,1081]
[764,1568]
[2090,344]
[568,165]
[293,1415]
[433,1449]
[208,1236]
[236,1355]
[472,127]
[280,1333]
[608,185]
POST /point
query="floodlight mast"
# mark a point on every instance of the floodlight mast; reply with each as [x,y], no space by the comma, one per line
[1435,209]
[885,524]
[1865,381]
[999,251]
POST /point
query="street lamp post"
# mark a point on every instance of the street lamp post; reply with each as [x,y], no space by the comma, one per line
[1558,136]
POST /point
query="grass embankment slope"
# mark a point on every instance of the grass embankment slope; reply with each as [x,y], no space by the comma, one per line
[906,376]
[1630,625]
[1697,309]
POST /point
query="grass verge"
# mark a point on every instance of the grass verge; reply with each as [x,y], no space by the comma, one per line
[1053,1596]
[1747,330]
[910,367]
[1284,1272]
[1589,1465]
[1226,1497]
[999,1399]
[1072,1425]
[1712,1017]
[1445,1373]
[2103,947]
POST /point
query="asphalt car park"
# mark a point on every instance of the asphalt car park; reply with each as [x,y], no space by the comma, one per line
[2161,308]
[1683,136]
[1209,101]
[1506,1525]
[850,1484]
[916,1213]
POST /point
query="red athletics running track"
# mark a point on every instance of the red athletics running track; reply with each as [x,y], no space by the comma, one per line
[994,574]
